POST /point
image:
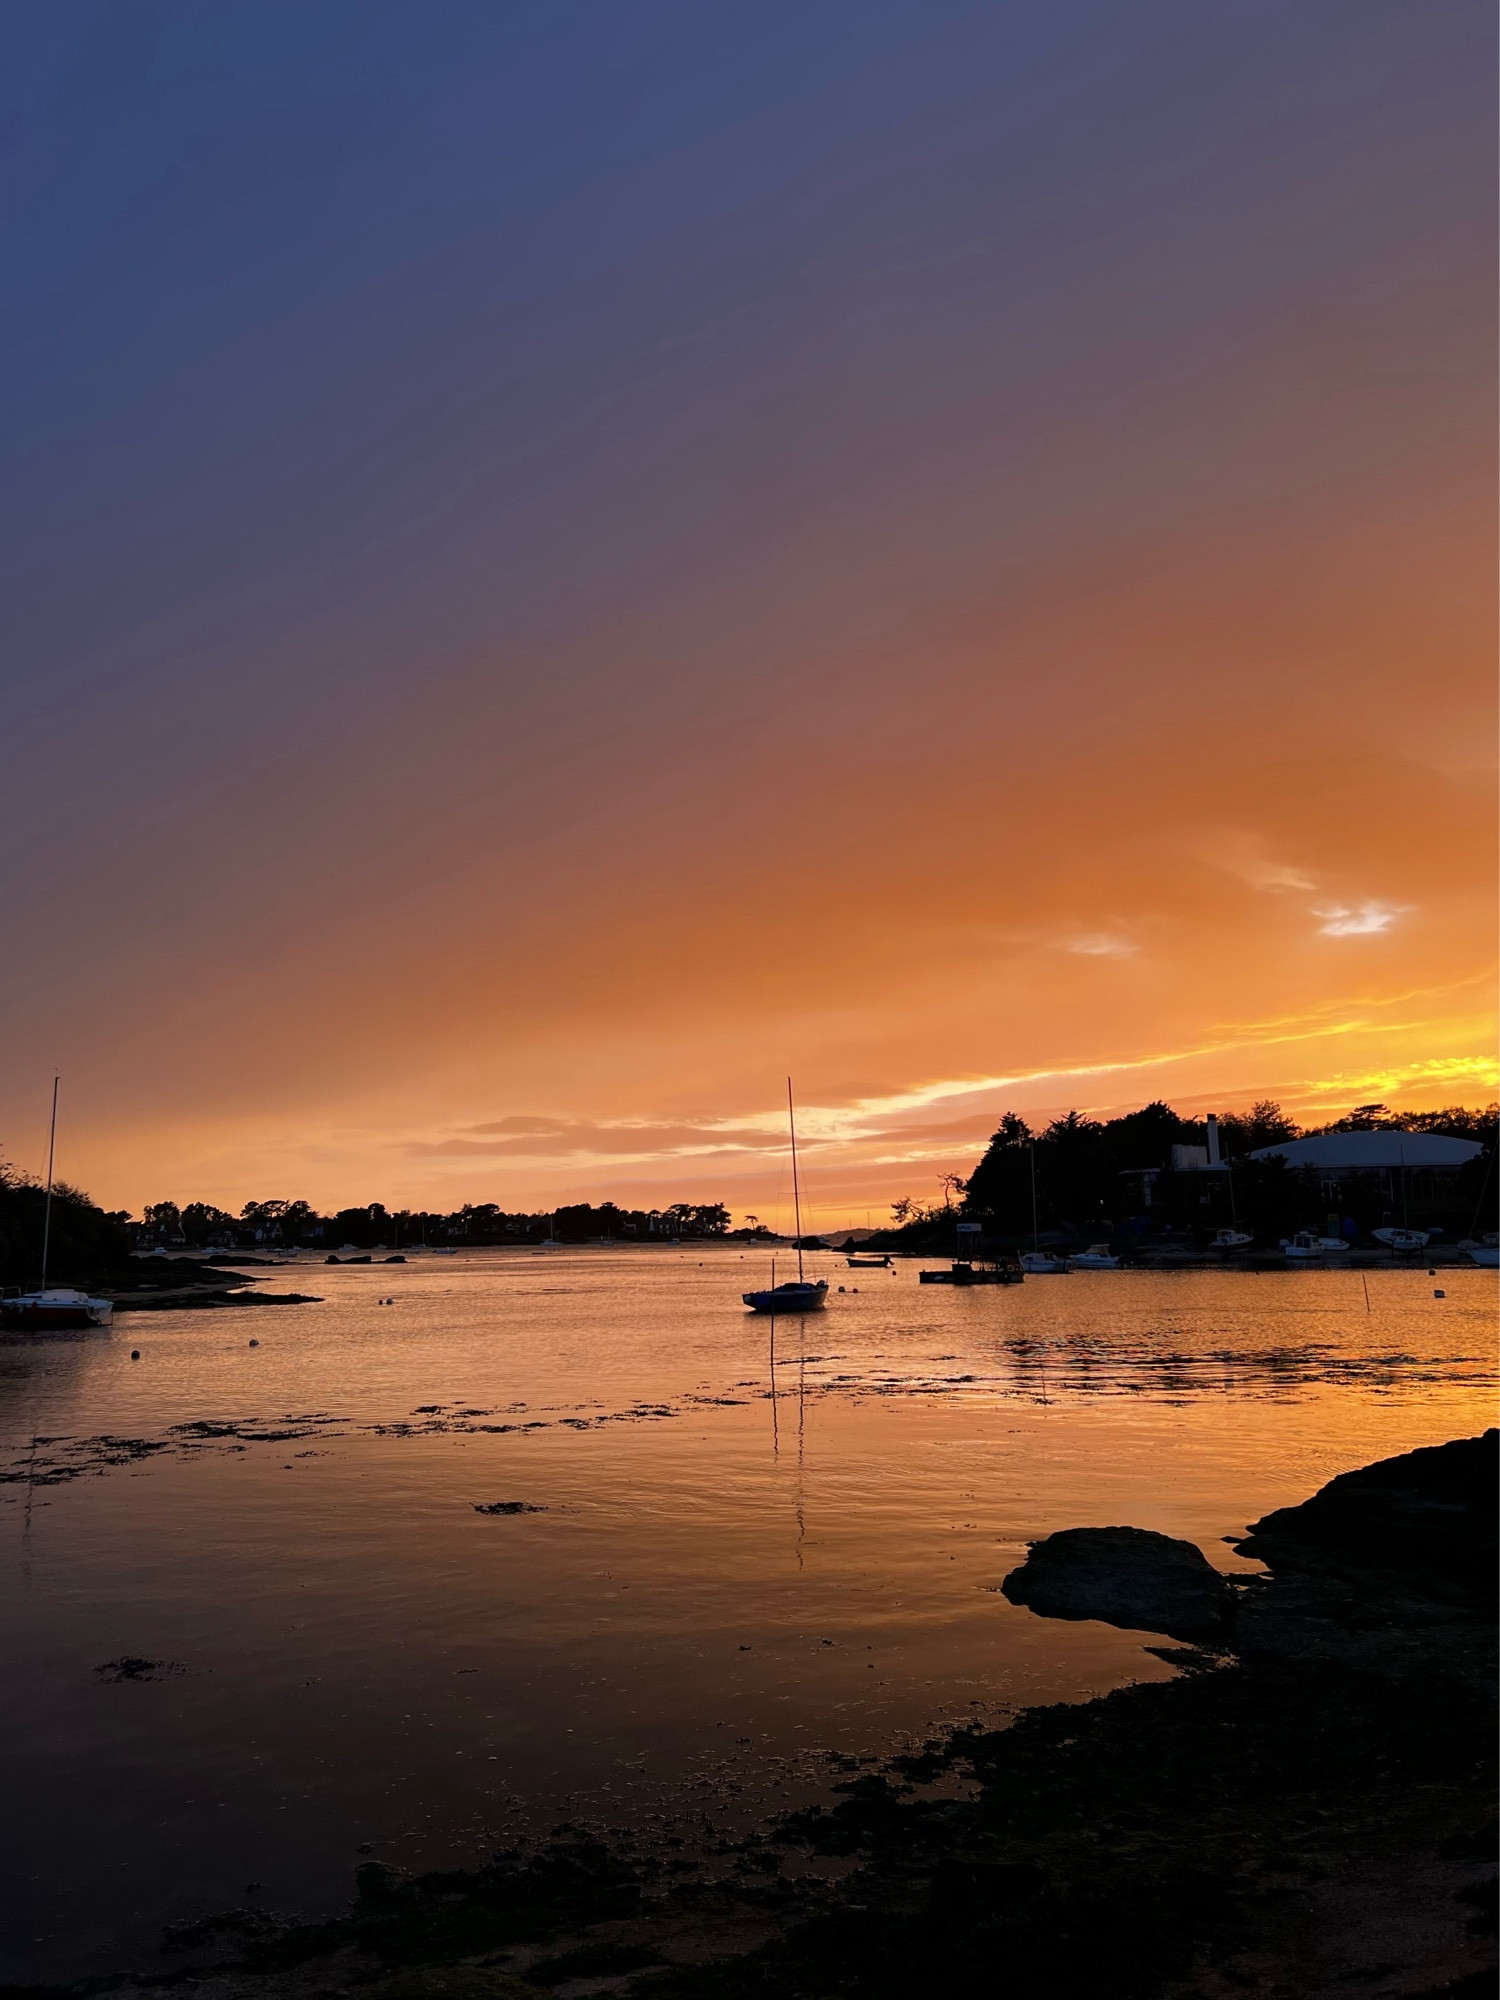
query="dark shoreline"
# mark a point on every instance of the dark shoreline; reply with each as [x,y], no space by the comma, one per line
[1308,1808]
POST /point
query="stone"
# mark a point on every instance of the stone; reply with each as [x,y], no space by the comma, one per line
[1124,1576]
[1426,1518]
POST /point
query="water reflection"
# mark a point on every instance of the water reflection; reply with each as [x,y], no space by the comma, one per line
[741,1560]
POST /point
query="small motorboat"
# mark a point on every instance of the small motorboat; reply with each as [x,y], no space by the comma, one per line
[868,1263]
[1403,1239]
[59,1309]
[1042,1264]
[797,1295]
[1098,1257]
[1230,1239]
[1306,1246]
[1484,1251]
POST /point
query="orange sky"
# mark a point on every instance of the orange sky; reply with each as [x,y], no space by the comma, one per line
[998,614]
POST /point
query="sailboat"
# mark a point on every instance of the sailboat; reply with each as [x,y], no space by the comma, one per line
[61,1308]
[799,1294]
[1037,1262]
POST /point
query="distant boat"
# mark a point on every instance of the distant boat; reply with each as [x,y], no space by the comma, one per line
[1037,1262]
[868,1263]
[1042,1264]
[1403,1239]
[799,1294]
[989,1271]
[1098,1257]
[1305,1245]
[1485,1252]
[61,1308]
[1230,1239]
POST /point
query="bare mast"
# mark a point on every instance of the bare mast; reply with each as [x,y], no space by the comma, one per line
[47,1212]
[796,1191]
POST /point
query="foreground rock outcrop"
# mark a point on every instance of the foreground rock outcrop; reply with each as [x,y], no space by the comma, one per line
[1390,1569]
[1124,1576]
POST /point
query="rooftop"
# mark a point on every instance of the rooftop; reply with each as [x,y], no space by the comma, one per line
[1372,1149]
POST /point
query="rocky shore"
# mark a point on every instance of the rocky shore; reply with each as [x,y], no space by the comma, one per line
[184,1284]
[1307,1809]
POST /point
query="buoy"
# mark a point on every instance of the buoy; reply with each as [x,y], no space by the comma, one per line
[1439,1293]
[255,1343]
[135,1354]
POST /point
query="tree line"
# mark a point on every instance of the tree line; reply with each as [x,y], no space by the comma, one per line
[1082,1177]
[279,1224]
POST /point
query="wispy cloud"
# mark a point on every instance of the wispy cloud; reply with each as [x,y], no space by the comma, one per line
[1242,853]
[1365,919]
[1102,944]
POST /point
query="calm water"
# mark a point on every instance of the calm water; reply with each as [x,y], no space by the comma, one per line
[720,1589]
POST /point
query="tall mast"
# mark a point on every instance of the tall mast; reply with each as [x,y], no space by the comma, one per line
[1035,1239]
[47,1212]
[796,1191]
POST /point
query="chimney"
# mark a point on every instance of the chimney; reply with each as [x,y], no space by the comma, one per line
[1213,1141]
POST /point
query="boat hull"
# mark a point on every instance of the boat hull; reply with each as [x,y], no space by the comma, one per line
[962,1275]
[792,1298]
[53,1315]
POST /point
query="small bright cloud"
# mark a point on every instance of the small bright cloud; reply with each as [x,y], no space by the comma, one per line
[1362,920]
[1102,944]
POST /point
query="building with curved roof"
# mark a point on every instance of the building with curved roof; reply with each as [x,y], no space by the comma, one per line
[1333,1153]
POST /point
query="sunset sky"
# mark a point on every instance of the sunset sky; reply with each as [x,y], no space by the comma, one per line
[564,561]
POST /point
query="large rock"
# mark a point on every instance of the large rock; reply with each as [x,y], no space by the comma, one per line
[1427,1518]
[1124,1576]
[1390,1568]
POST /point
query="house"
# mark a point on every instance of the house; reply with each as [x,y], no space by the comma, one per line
[1415,1171]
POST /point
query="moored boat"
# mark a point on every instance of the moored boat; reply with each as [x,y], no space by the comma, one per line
[797,1295]
[800,1294]
[989,1271]
[52,1308]
[1230,1239]
[1043,1264]
[1402,1239]
[1098,1257]
[58,1309]
[1306,1246]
